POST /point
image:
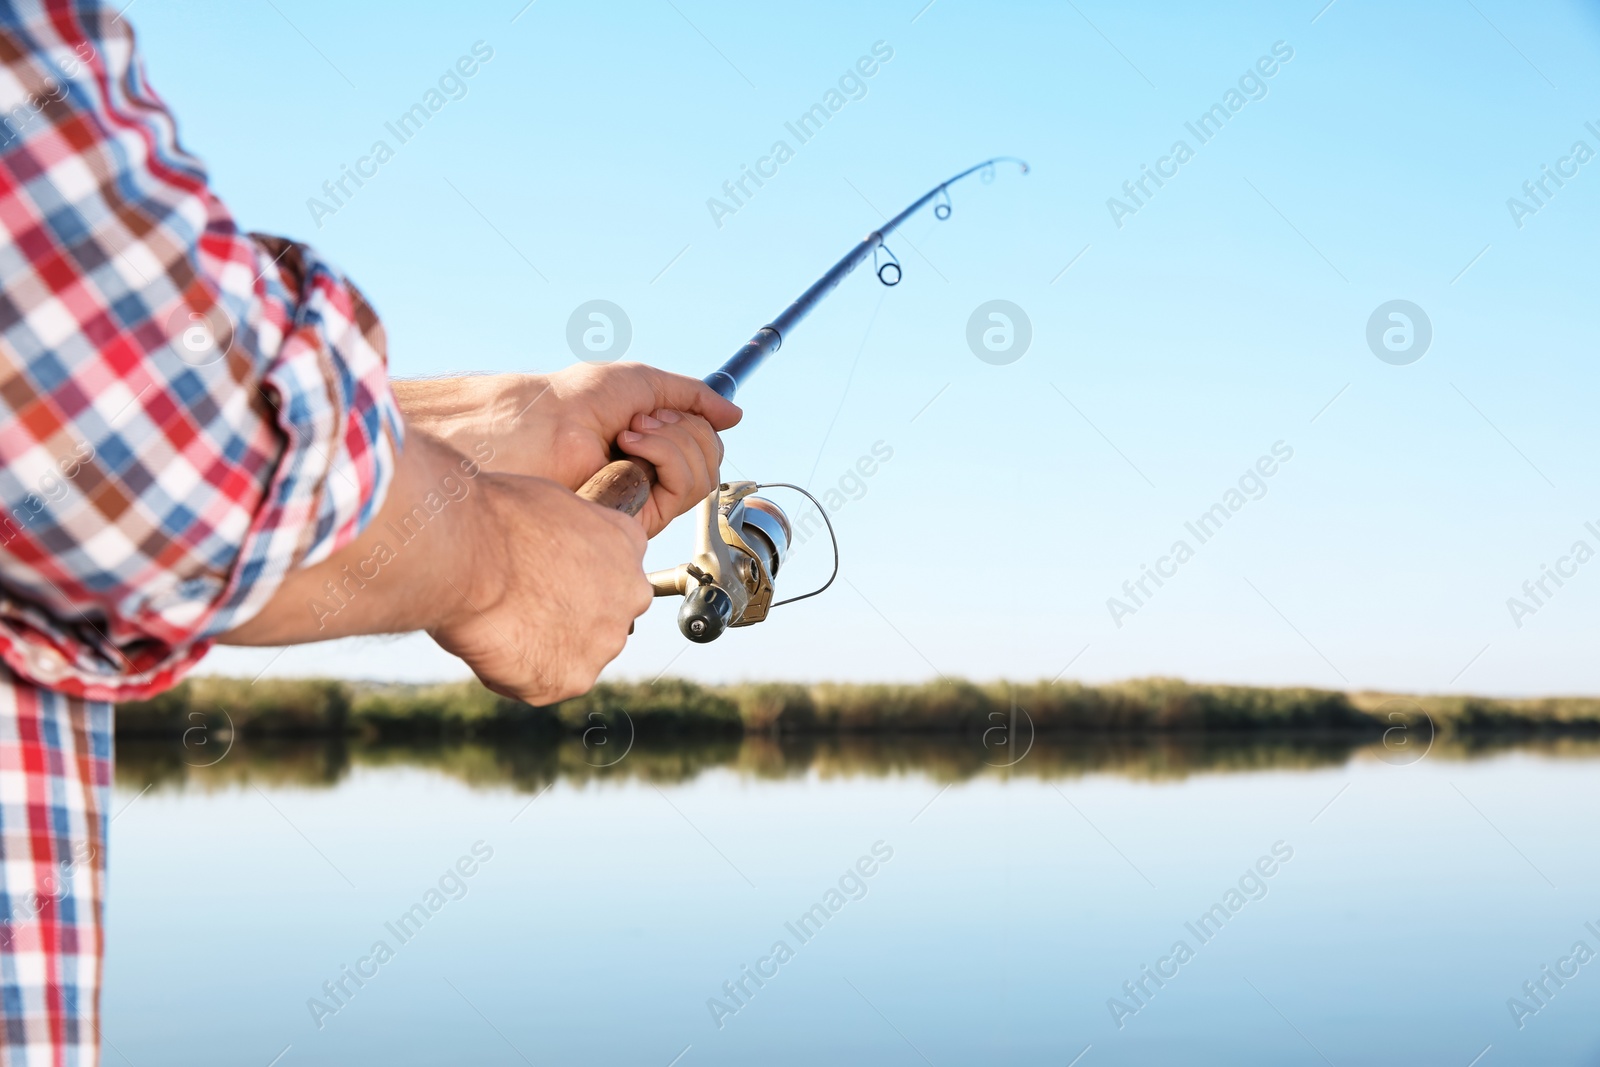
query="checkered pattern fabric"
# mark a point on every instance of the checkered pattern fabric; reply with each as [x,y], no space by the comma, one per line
[187,413]
[55,782]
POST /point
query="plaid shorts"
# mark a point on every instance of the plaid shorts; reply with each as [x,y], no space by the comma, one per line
[55,786]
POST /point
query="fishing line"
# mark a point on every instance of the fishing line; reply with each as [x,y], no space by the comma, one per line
[848,381]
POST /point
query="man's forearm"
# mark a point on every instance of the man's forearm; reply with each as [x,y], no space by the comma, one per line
[466,411]
[411,569]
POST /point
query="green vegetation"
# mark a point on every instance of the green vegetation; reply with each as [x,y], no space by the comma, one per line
[673,709]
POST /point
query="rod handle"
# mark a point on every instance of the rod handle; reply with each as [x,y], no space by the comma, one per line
[621,485]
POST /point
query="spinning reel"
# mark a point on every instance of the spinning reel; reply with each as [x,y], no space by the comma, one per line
[741,539]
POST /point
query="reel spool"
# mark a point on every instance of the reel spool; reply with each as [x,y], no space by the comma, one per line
[741,542]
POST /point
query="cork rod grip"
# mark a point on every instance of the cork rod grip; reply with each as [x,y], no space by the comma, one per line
[621,485]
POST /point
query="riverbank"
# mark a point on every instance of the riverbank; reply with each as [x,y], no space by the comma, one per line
[669,708]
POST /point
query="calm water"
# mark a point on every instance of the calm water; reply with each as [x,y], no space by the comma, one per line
[1016,903]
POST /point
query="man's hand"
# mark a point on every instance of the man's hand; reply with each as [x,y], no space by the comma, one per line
[562,426]
[553,601]
[534,588]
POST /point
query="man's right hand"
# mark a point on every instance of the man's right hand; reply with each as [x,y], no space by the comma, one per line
[533,587]
[556,586]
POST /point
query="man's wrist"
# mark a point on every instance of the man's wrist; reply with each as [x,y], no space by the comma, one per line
[418,565]
[437,533]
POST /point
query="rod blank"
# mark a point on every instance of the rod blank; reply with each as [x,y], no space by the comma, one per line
[767,340]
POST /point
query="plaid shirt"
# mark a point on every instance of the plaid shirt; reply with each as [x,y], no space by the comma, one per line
[187,413]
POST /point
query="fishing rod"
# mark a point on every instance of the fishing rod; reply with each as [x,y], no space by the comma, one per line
[742,539]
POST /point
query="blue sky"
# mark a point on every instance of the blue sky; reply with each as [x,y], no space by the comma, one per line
[1227,314]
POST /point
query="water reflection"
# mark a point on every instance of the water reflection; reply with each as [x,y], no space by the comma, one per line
[171,766]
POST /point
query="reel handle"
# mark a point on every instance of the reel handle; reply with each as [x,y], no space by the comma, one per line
[621,485]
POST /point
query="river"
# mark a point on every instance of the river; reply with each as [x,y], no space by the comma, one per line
[932,904]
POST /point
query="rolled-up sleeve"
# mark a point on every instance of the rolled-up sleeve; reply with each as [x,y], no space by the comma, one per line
[187,412]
